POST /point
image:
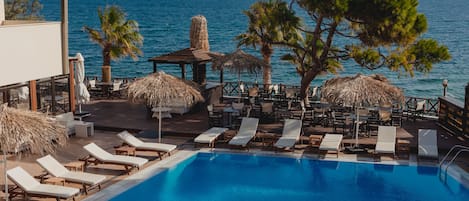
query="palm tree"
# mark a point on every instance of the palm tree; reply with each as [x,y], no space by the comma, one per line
[264,30]
[118,37]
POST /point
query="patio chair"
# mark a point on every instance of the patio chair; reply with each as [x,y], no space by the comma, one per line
[290,135]
[418,110]
[331,142]
[386,143]
[139,145]
[99,155]
[54,168]
[31,187]
[428,146]
[215,118]
[209,136]
[246,132]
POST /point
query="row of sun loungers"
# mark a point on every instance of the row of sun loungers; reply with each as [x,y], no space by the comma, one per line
[28,186]
[386,142]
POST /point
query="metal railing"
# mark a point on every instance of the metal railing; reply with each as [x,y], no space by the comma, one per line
[459,149]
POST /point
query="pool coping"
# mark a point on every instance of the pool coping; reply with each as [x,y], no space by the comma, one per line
[112,191]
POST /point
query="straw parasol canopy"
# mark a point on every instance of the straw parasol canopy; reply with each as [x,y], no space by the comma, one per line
[198,33]
[361,90]
[161,89]
[19,127]
[237,62]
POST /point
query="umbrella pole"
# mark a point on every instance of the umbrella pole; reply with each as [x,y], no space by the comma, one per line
[5,175]
[239,85]
[357,127]
[159,124]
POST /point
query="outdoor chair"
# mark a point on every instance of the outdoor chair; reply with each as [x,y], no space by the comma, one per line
[267,111]
[339,121]
[31,187]
[100,156]
[290,134]
[215,118]
[139,145]
[331,142]
[87,180]
[418,110]
[246,132]
[428,146]
[386,143]
[209,136]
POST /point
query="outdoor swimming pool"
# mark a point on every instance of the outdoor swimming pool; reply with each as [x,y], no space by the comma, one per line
[222,176]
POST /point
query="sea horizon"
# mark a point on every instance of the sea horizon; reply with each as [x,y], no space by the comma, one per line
[165,26]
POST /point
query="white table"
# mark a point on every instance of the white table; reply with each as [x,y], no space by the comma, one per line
[84,129]
[165,112]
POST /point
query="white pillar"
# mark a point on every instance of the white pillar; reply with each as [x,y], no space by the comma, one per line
[2,12]
[64,8]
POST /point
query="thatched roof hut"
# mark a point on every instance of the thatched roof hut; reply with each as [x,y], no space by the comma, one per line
[238,62]
[361,90]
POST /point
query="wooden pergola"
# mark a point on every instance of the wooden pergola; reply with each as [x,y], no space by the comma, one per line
[196,57]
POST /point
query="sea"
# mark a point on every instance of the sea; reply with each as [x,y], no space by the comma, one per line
[165,26]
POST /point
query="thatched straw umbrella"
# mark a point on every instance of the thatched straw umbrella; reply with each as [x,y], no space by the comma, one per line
[21,127]
[163,90]
[238,62]
[360,91]
[198,33]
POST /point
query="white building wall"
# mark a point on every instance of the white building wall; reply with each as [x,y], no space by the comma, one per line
[29,52]
[2,12]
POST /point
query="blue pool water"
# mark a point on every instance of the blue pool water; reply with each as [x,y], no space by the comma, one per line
[225,177]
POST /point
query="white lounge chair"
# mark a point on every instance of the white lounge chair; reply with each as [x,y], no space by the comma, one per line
[331,142]
[290,135]
[428,146]
[209,136]
[32,187]
[246,132]
[99,155]
[160,148]
[54,168]
[386,143]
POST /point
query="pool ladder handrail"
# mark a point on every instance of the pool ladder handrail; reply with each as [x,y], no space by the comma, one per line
[455,147]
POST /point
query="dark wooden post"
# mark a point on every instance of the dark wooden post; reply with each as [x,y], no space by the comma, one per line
[71,84]
[221,76]
[52,93]
[202,73]
[32,95]
[155,68]
[465,117]
[183,70]
[195,71]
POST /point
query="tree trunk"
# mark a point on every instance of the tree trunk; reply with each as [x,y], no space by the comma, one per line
[106,68]
[305,82]
[106,73]
[266,52]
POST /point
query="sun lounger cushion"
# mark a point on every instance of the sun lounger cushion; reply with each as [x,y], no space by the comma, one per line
[104,156]
[137,143]
[331,142]
[56,169]
[428,146]
[210,135]
[246,132]
[290,135]
[386,140]
[31,186]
